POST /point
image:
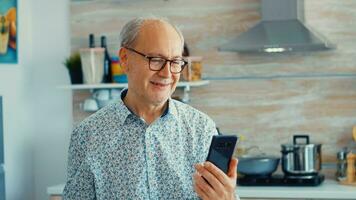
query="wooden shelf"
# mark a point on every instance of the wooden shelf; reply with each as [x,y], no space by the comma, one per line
[183,84]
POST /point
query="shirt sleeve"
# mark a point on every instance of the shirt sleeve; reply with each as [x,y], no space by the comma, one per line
[80,180]
[208,130]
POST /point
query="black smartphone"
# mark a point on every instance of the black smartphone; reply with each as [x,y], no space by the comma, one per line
[221,150]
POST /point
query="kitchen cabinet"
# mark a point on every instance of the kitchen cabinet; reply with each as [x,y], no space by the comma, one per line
[329,190]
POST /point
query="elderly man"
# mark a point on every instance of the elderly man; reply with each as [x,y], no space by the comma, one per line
[147,145]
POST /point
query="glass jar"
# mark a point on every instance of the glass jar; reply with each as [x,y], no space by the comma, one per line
[341,165]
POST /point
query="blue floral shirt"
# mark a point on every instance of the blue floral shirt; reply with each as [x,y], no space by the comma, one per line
[114,154]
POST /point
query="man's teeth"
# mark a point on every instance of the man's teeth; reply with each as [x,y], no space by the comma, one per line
[160,83]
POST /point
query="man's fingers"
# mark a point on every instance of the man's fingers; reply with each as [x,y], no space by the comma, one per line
[200,192]
[211,182]
[203,185]
[220,175]
[232,168]
[210,178]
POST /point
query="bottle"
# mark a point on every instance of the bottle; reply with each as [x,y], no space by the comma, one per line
[91,40]
[107,62]
[185,50]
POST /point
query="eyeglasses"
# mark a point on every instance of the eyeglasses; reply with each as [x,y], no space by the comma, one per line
[158,63]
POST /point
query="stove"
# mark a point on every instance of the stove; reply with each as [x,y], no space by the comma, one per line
[281,180]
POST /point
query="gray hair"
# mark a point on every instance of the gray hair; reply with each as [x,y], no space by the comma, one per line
[131,29]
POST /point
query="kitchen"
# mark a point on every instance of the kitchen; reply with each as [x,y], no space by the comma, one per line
[266,98]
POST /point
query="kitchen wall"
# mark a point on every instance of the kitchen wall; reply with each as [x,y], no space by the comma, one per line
[266,98]
[17,141]
[37,116]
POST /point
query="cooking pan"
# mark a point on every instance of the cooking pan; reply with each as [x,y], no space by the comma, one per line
[257,165]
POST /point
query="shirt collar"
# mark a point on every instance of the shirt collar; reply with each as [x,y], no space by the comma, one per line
[172,109]
[123,111]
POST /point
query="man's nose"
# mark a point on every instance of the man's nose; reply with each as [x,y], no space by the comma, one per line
[166,71]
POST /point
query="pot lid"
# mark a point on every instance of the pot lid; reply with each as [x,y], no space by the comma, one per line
[298,142]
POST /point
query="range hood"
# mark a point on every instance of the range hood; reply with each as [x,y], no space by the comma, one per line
[282,29]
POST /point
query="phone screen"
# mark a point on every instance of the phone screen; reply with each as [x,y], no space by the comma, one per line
[221,150]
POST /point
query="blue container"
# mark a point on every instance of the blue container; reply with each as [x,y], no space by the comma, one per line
[122,78]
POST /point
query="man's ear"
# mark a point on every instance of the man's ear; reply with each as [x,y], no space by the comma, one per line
[123,59]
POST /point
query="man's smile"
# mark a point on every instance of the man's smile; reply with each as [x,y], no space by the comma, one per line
[160,84]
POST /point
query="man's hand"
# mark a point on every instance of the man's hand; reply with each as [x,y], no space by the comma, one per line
[212,183]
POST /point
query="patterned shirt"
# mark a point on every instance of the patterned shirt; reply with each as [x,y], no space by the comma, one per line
[115,155]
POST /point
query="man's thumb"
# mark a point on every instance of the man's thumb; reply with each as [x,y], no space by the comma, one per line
[233,168]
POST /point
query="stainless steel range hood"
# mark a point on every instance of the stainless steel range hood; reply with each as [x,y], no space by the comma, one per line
[281,29]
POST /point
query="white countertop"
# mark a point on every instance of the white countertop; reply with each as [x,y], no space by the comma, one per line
[329,189]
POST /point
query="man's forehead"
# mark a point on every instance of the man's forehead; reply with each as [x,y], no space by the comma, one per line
[157,28]
[159,38]
[154,23]
[151,25]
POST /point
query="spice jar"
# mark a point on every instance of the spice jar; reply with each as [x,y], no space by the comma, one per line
[341,165]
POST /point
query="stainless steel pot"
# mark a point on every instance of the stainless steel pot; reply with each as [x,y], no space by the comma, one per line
[301,158]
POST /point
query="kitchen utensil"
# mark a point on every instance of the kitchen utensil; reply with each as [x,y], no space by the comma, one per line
[102,94]
[115,94]
[301,158]
[350,171]
[193,70]
[92,64]
[257,166]
[90,105]
[254,162]
[351,167]
[341,165]
[103,97]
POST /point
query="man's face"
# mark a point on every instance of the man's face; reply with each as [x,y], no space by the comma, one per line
[159,40]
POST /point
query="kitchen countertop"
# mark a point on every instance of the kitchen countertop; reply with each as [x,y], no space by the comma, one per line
[329,189]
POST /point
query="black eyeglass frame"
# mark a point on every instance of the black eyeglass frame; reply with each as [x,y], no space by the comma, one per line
[164,64]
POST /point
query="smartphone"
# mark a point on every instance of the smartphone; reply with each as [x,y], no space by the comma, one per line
[221,150]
